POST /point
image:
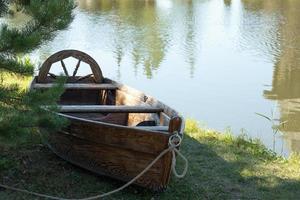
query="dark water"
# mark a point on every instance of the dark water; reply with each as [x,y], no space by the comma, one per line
[215,61]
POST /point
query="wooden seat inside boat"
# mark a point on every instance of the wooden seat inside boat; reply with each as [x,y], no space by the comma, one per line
[86,86]
[96,98]
[109,109]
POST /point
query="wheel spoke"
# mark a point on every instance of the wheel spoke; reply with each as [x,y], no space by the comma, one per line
[83,77]
[52,75]
[64,67]
[76,68]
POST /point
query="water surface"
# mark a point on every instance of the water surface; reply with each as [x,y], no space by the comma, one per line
[215,61]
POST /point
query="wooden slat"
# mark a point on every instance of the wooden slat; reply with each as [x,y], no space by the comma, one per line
[78,86]
[114,161]
[110,109]
[154,128]
[140,140]
[164,119]
[83,77]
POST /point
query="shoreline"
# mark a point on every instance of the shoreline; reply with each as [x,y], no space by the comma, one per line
[221,166]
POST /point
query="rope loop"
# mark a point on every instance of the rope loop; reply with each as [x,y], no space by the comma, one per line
[175,140]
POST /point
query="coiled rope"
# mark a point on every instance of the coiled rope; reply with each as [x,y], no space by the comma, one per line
[174,142]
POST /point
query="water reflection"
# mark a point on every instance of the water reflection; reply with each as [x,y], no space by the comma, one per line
[138,29]
[286,85]
[209,59]
[190,44]
[227,2]
[261,29]
[267,29]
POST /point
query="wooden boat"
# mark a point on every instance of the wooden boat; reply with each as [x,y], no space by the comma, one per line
[114,130]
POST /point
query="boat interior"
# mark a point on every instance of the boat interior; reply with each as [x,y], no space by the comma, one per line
[109,102]
[100,99]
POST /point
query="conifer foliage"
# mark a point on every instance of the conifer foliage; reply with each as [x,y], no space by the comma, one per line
[21,111]
[3,6]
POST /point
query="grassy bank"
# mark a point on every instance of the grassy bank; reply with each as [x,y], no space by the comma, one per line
[221,167]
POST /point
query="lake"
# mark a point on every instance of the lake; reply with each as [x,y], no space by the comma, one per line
[218,62]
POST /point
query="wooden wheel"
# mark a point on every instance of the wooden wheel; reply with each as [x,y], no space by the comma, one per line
[44,72]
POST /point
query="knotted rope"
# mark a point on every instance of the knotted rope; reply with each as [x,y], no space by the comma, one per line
[174,142]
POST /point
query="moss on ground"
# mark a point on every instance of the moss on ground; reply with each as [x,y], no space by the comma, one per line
[221,166]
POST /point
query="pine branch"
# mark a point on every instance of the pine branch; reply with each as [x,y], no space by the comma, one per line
[21,112]
[49,16]
[14,64]
[3,7]
[22,116]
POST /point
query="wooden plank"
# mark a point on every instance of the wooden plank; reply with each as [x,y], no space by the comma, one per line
[164,119]
[127,95]
[78,86]
[110,109]
[153,128]
[175,124]
[141,140]
[116,162]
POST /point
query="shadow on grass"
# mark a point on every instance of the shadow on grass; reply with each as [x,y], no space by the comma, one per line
[227,170]
[216,171]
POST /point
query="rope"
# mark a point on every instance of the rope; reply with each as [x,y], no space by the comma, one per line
[174,142]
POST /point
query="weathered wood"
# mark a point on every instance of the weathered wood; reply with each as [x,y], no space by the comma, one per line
[87,86]
[114,130]
[164,119]
[109,109]
[146,141]
[175,125]
[76,68]
[52,75]
[112,118]
[84,77]
[154,128]
[61,55]
[64,68]
[81,97]
[103,159]
[130,96]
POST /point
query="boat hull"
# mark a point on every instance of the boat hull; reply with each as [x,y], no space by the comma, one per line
[113,130]
[114,151]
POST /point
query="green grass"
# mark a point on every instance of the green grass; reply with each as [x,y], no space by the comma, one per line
[221,166]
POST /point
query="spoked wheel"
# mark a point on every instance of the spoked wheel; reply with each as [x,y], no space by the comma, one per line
[45,74]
